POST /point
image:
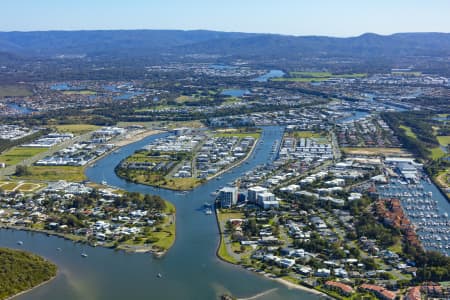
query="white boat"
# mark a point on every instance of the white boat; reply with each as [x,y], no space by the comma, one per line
[84,255]
[159,275]
[208,211]
[20,243]
[104,182]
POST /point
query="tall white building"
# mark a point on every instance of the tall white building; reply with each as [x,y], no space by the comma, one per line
[228,197]
[267,200]
[253,192]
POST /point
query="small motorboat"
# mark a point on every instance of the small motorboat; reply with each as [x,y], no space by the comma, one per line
[84,255]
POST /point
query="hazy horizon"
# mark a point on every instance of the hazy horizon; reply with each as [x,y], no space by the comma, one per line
[345,18]
[211,30]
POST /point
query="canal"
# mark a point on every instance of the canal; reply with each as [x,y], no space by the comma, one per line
[190,270]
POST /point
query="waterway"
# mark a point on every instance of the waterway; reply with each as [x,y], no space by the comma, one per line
[20,109]
[356,115]
[270,74]
[235,92]
[190,270]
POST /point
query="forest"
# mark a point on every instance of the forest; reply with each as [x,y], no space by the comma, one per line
[21,271]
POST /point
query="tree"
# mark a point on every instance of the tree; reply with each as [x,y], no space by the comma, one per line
[22,171]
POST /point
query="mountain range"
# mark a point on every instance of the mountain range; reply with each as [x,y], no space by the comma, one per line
[141,43]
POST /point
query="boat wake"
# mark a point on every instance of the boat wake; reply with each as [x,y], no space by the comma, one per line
[259,295]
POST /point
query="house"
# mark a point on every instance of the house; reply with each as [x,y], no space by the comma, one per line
[379,291]
[413,293]
[339,287]
[323,272]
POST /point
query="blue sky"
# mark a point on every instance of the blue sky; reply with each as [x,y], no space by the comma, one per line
[296,17]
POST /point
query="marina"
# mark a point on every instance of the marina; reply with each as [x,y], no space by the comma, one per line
[426,208]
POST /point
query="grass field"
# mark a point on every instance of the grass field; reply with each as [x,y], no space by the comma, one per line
[15,90]
[373,151]
[55,173]
[169,125]
[316,76]
[10,186]
[444,140]
[437,153]
[167,235]
[241,135]
[416,74]
[311,74]
[79,92]
[408,131]
[306,134]
[297,79]
[18,154]
[223,253]
[182,184]
[223,216]
[182,99]
[76,128]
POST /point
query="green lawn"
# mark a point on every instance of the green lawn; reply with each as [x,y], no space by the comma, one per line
[166,237]
[311,74]
[8,186]
[223,253]
[18,154]
[437,153]
[316,76]
[29,187]
[182,99]
[79,92]
[255,135]
[182,184]
[444,140]
[55,173]
[306,134]
[408,131]
[397,247]
[296,79]
[372,151]
[76,128]
[225,216]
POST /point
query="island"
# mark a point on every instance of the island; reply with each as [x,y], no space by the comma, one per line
[22,271]
[189,158]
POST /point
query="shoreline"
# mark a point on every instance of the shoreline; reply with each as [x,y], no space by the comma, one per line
[237,163]
[126,248]
[278,279]
[240,162]
[135,138]
[123,142]
[32,288]
[301,287]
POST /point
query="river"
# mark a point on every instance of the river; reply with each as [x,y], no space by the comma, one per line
[190,270]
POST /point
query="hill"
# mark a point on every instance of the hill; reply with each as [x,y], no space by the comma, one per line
[139,43]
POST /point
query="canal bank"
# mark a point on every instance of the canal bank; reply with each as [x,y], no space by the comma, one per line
[190,270]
